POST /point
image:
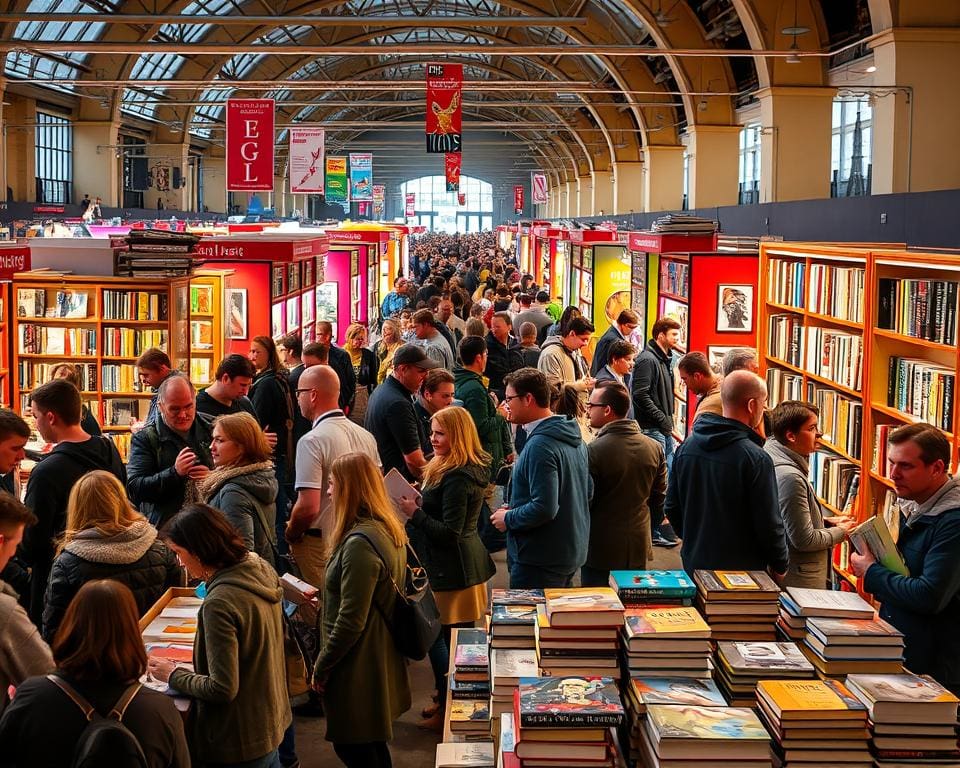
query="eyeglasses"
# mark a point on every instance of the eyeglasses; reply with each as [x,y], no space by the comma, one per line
[596,405]
[299,392]
[508,398]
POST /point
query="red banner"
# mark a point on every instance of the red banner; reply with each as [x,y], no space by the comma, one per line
[518,199]
[250,145]
[444,107]
[451,167]
[410,201]
[462,198]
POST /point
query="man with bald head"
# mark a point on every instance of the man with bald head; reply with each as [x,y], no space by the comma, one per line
[331,436]
[722,494]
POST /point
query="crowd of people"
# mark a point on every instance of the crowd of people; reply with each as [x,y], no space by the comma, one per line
[512,430]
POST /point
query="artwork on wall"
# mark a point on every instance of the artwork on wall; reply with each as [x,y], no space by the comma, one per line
[236,313]
[734,308]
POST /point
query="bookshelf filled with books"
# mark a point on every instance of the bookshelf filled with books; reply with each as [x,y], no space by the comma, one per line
[206,324]
[100,325]
[868,334]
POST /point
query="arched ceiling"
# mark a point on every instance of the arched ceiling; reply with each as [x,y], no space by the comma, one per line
[582,84]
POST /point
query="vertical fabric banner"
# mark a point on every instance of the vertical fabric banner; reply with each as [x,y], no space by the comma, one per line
[462,198]
[444,108]
[538,187]
[337,188]
[451,168]
[250,145]
[306,160]
[518,199]
[410,205]
[361,176]
[379,197]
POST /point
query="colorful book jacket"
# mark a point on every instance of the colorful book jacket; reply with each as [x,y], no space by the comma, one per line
[569,702]
[678,690]
[690,722]
[508,613]
[809,696]
[904,687]
[665,622]
[735,582]
[516,596]
[753,657]
[581,600]
[630,584]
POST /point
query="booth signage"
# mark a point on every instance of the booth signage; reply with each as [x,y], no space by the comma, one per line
[451,168]
[444,108]
[361,176]
[250,145]
[538,187]
[410,204]
[518,199]
[338,190]
[306,160]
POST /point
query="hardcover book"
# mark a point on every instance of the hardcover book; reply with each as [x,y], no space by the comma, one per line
[752,658]
[904,698]
[508,613]
[465,711]
[471,656]
[873,536]
[854,631]
[477,754]
[736,585]
[678,690]
[598,606]
[679,622]
[706,723]
[517,596]
[568,702]
[830,603]
[506,665]
[824,699]
[652,583]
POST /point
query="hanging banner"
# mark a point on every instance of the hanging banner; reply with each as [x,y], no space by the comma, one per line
[518,199]
[361,176]
[306,160]
[451,168]
[462,198]
[379,196]
[337,189]
[538,187]
[410,207]
[444,107]
[250,145]
[363,209]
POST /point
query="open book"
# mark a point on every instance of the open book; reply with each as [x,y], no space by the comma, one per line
[873,536]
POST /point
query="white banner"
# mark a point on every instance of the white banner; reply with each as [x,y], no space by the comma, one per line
[306,160]
[538,186]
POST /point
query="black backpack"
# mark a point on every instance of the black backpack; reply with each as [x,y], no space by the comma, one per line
[104,741]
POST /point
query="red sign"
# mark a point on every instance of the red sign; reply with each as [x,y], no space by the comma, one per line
[261,247]
[518,199]
[13,258]
[451,168]
[444,107]
[410,208]
[654,242]
[462,198]
[48,209]
[250,145]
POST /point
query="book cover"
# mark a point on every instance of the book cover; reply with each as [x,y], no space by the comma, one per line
[828,696]
[735,583]
[830,603]
[465,710]
[471,655]
[569,702]
[678,690]
[828,628]
[653,583]
[753,657]
[906,687]
[513,614]
[475,754]
[581,600]
[873,535]
[692,722]
[665,622]
[513,664]
[517,596]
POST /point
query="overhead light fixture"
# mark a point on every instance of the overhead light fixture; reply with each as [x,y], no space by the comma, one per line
[871,69]
[794,57]
[702,105]
[796,29]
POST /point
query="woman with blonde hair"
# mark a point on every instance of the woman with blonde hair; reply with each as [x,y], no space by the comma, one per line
[242,484]
[358,657]
[388,344]
[443,532]
[365,367]
[106,538]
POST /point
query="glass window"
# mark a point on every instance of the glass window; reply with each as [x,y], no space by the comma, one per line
[851,147]
[442,208]
[750,164]
[54,159]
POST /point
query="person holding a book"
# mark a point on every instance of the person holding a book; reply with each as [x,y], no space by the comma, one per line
[809,541]
[359,671]
[925,604]
[443,532]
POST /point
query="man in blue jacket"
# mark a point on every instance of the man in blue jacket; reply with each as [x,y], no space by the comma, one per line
[722,492]
[925,605]
[548,520]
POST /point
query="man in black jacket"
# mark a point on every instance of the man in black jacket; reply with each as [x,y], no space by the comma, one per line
[339,360]
[55,407]
[503,353]
[722,492]
[166,455]
[653,388]
[626,323]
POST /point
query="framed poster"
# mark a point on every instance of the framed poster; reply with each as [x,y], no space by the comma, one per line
[734,308]
[327,302]
[236,313]
[277,320]
[715,357]
[679,312]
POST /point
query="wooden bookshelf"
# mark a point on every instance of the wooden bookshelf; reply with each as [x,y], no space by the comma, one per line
[5,314]
[856,299]
[111,322]
[207,325]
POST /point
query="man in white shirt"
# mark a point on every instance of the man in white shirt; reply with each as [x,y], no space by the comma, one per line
[332,435]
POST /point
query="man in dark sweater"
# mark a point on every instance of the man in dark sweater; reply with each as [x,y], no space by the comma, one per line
[339,360]
[228,393]
[55,407]
[722,492]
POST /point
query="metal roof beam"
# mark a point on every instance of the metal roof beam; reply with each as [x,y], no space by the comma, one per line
[440,21]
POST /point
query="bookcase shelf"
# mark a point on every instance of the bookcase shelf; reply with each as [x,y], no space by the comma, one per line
[888,290]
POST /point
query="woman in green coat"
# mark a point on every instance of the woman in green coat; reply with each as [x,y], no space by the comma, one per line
[361,674]
[443,531]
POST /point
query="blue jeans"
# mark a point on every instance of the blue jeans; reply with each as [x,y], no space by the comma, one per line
[534,577]
[271,760]
[668,443]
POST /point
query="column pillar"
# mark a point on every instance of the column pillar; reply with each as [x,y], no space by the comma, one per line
[97,162]
[628,188]
[910,150]
[602,197]
[714,152]
[569,200]
[584,196]
[214,171]
[795,143]
[663,180]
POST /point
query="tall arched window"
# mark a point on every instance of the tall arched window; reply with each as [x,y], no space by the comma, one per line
[440,211]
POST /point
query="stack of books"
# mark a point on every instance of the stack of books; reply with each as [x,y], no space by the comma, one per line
[507,668]
[641,588]
[738,605]
[815,724]
[842,633]
[790,626]
[513,618]
[913,719]
[703,737]
[475,754]
[740,666]
[153,253]
[683,223]
[578,632]
[470,685]
[567,720]
[666,642]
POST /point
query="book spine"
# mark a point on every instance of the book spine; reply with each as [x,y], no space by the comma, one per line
[569,719]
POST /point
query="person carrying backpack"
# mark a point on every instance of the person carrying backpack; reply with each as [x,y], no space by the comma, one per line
[99,659]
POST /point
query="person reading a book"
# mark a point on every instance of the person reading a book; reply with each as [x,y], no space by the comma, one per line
[359,671]
[795,437]
[924,605]
[106,538]
[443,533]
[238,681]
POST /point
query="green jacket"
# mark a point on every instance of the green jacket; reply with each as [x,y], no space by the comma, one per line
[492,428]
[240,683]
[444,530]
[366,677]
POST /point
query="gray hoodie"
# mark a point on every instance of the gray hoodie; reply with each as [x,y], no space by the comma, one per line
[948,497]
[23,653]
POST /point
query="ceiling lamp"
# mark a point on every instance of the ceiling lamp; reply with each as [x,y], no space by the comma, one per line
[794,57]
[796,29]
